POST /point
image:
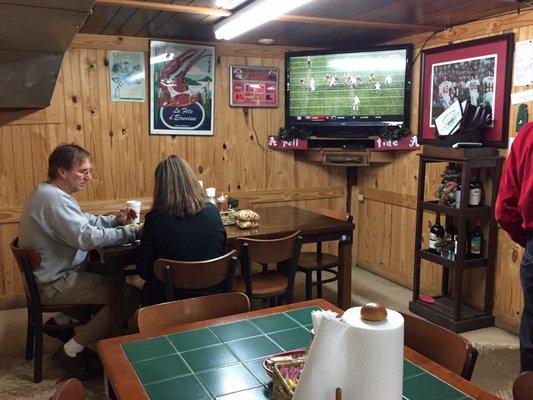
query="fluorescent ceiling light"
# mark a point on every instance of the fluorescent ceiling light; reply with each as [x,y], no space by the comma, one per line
[253,15]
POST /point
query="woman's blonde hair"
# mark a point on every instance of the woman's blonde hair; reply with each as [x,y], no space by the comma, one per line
[177,189]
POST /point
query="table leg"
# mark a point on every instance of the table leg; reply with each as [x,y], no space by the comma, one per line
[344,288]
[116,305]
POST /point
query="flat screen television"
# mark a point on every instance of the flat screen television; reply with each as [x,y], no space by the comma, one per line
[348,92]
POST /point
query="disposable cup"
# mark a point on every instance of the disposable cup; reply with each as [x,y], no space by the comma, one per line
[135,205]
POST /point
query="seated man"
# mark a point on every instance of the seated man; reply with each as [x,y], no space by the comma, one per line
[53,224]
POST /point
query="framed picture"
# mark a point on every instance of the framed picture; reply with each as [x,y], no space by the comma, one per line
[182,81]
[126,75]
[252,86]
[477,71]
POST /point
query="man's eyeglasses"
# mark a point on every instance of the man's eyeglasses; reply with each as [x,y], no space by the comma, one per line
[86,172]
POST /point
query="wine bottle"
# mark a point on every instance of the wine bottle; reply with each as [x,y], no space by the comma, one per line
[475,186]
[449,246]
[476,241]
[436,236]
[458,196]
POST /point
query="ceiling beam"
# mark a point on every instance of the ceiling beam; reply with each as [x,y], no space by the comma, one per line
[355,23]
[147,5]
[220,12]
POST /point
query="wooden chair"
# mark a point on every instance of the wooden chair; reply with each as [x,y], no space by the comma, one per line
[318,261]
[71,389]
[269,284]
[197,278]
[523,386]
[440,345]
[27,260]
[158,316]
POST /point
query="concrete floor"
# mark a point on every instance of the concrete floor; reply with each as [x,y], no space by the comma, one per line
[496,368]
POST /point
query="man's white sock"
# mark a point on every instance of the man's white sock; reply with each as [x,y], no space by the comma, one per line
[72,348]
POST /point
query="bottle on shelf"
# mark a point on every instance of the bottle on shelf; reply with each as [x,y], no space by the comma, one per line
[458,196]
[475,189]
[436,236]
[476,241]
[449,246]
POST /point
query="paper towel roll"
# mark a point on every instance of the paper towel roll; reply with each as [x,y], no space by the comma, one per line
[364,359]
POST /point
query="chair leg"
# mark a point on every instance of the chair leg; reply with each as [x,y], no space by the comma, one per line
[38,353]
[308,285]
[319,284]
[30,334]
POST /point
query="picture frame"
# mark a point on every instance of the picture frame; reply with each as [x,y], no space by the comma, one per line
[127,75]
[253,86]
[478,71]
[182,81]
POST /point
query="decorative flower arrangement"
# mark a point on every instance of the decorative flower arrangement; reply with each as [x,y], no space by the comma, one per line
[447,189]
[292,132]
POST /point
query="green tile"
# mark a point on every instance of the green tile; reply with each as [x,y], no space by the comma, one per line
[184,388]
[193,339]
[259,372]
[162,368]
[260,393]
[410,370]
[259,346]
[209,357]
[273,323]
[150,348]
[222,381]
[292,339]
[235,330]
[421,386]
[303,315]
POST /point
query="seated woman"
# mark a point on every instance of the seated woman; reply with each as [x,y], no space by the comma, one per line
[181,225]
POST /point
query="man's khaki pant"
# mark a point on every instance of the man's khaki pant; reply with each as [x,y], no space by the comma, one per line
[82,288]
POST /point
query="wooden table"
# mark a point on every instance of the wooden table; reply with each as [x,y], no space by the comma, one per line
[129,359]
[275,221]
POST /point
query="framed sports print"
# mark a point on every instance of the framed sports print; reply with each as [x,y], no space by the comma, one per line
[252,86]
[182,78]
[476,72]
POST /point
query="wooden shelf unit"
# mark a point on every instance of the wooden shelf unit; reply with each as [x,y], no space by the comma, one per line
[449,309]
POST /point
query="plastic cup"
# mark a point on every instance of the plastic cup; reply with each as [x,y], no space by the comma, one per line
[135,205]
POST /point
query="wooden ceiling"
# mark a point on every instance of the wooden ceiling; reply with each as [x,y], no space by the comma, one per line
[321,23]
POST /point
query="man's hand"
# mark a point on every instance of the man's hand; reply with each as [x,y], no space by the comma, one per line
[124,217]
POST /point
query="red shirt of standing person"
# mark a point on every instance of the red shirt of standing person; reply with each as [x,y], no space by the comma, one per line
[514,212]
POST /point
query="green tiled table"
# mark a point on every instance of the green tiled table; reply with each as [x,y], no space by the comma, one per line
[223,359]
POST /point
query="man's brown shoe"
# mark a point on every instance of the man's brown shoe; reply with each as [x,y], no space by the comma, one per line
[75,367]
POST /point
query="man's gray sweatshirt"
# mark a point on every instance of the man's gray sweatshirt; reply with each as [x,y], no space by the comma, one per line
[53,224]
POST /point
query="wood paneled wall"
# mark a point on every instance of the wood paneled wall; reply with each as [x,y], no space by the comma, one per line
[234,160]
[386,223]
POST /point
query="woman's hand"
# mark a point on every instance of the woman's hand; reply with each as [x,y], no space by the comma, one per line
[126,216]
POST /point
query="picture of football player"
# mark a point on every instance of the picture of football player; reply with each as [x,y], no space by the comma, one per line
[388,80]
[309,62]
[302,81]
[377,87]
[371,77]
[444,92]
[332,81]
[312,87]
[356,103]
[473,89]
[353,80]
[488,88]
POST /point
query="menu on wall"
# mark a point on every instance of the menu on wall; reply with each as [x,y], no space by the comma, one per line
[253,86]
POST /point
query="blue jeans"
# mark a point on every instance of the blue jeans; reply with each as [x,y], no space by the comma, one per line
[526,325]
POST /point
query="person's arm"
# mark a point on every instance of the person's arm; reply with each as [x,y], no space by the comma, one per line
[507,212]
[73,227]
[147,252]
[102,221]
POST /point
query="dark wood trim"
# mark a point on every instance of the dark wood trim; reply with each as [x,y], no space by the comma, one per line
[127,386]
[178,8]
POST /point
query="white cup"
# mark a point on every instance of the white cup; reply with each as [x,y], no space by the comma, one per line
[211,194]
[135,205]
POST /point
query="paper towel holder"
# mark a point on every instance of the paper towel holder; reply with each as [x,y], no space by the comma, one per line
[338,394]
[374,312]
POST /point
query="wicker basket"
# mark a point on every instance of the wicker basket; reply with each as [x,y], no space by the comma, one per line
[282,391]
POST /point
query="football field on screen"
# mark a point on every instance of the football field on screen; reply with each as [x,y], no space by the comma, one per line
[338,99]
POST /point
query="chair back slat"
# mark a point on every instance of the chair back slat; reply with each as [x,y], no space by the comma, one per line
[265,251]
[27,261]
[337,214]
[34,258]
[195,275]
[440,345]
[159,316]
[71,389]
[523,386]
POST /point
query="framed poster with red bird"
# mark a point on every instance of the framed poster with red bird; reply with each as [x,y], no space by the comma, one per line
[182,78]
